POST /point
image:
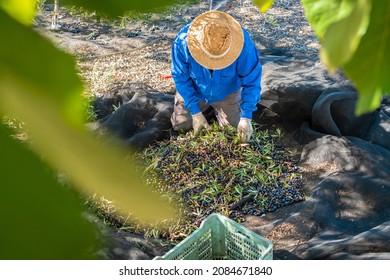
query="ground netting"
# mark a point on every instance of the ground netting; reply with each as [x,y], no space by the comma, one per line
[345,158]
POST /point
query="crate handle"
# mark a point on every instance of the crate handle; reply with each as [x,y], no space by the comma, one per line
[243,234]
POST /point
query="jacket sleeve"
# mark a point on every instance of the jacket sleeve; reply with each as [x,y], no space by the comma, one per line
[249,70]
[181,75]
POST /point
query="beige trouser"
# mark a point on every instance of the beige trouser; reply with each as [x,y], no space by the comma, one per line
[227,111]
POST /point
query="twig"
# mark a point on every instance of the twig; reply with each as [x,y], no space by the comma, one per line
[242,201]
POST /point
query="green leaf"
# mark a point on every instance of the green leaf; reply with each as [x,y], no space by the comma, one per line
[119,7]
[355,36]
[40,218]
[21,10]
[321,14]
[343,37]
[39,85]
[263,5]
[58,81]
[369,68]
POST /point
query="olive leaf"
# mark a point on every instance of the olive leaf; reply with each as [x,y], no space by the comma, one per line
[39,85]
[369,68]
[41,219]
[321,14]
[355,36]
[263,5]
[216,173]
[342,38]
[21,10]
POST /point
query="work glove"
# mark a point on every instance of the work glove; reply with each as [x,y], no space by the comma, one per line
[245,129]
[198,123]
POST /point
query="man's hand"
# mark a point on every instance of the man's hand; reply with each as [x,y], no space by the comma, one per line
[245,129]
[198,123]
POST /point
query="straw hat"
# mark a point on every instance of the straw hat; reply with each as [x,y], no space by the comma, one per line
[215,39]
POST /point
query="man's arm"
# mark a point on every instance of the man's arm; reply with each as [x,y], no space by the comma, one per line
[181,76]
[249,70]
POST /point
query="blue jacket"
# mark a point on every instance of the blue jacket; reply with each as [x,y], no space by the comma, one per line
[196,83]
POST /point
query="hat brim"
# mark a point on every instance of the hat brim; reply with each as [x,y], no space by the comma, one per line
[198,53]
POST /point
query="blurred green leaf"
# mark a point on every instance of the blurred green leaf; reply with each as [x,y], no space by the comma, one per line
[42,65]
[263,5]
[39,85]
[40,218]
[369,68]
[321,14]
[21,10]
[343,37]
[355,36]
[119,7]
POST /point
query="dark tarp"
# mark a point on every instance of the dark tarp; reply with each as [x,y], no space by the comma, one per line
[345,159]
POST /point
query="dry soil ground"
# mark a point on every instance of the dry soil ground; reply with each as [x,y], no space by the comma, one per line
[137,49]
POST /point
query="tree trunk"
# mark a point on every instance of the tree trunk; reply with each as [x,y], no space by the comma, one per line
[54,23]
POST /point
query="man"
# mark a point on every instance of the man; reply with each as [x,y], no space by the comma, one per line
[215,63]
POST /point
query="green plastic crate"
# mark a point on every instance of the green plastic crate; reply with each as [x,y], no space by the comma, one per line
[220,238]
